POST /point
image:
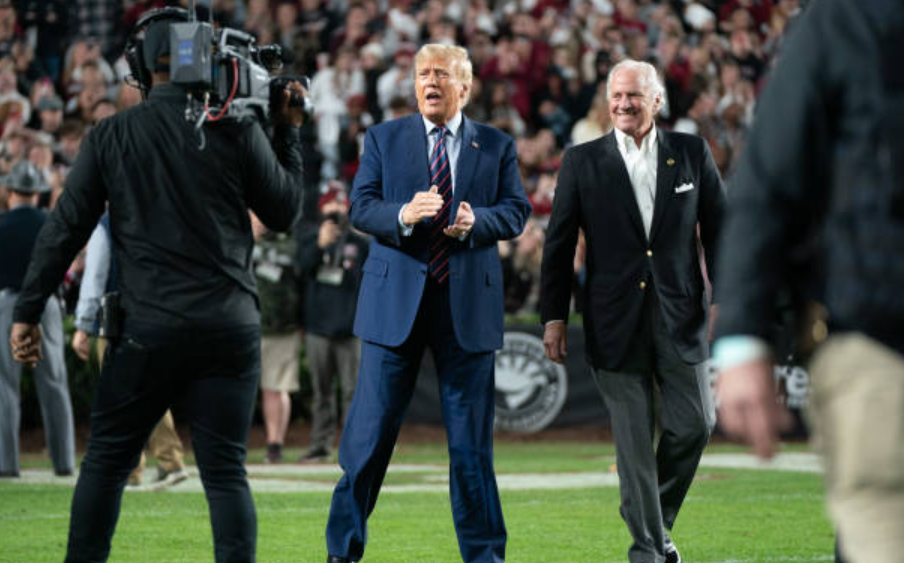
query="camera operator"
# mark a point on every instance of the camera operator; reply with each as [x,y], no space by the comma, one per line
[190,326]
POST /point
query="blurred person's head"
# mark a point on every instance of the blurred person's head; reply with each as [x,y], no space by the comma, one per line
[50,112]
[333,204]
[286,14]
[7,21]
[372,56]
[403,58]
[739,20]
[729,75]
[40,154]
[635,96]
[627,8]
[25,183]
[345,59]
[72,131]
[7,76]
[637,45]
[17,143]
[480,47]
[442,81]
[399,107]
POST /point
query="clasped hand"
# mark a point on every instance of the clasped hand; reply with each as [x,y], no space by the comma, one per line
[425,205]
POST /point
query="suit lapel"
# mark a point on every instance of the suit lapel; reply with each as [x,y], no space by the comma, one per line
[415,137]
[666,168]
[468,157]
[614,168]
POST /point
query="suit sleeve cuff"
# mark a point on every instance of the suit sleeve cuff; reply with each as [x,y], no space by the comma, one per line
[404,229]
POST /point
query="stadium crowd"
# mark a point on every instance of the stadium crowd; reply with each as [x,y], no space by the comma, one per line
[540,75]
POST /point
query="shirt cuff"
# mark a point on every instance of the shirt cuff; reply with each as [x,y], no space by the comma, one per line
[404,229]
[547,323]
[732,351]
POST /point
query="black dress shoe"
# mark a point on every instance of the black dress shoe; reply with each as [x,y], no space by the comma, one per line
[672,555]
[334,559]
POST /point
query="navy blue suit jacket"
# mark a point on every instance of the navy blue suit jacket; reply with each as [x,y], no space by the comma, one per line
[393,168]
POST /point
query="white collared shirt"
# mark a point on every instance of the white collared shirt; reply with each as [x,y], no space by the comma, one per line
[641,164]
[453,141]
[453,148]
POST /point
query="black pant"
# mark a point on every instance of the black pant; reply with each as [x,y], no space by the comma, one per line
[210,378]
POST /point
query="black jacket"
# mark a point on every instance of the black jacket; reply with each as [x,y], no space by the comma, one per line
[19,229]
[825,156]
[179,220]
[329,307]
[594,193]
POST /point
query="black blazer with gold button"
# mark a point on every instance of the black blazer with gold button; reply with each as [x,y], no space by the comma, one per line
[594,193]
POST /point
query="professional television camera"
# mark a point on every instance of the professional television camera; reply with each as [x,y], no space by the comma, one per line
[225,72]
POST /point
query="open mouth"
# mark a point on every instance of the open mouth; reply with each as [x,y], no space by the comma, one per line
[434,96]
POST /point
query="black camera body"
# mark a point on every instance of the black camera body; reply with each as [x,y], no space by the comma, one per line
[229,70]
[225,71]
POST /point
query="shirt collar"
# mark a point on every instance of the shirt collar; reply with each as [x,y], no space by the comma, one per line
[453,125]
[626,142]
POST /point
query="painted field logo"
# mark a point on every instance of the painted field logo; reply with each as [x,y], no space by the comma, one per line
[530,389]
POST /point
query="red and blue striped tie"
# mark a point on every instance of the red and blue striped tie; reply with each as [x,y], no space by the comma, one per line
[440,176]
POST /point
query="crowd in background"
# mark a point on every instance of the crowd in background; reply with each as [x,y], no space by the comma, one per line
[540,74]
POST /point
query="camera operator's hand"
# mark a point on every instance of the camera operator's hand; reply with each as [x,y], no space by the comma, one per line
[285,114]
[25,342]
[329,233]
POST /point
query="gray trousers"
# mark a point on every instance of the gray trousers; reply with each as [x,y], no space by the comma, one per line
[328,358]
[51,383]
[654,480]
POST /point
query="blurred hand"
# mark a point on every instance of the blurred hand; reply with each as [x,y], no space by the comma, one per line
[748,409]
[258,229]
[555,341]
[713,317]
[464,221]
[81,343]
[286,114]
[423,205]
[25,341]
[329,233]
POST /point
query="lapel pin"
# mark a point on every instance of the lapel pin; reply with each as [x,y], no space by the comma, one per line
[670,161]
[475,145]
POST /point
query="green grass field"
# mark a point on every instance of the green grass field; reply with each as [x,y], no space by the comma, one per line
[559,498]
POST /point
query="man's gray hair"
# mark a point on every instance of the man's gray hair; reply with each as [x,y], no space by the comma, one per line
[649,78]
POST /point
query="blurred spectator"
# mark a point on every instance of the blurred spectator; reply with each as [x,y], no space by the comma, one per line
[278,295]
[48,20]
[8,27]
[398,80]
[330,259]
[521,260]
[596,123]
[13,105]
[330,90]
[98,20]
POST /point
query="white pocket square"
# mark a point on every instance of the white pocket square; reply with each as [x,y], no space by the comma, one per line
[684,188]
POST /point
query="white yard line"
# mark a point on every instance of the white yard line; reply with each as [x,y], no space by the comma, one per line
[298,478]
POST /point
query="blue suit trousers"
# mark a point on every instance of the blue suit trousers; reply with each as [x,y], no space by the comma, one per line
[386,381]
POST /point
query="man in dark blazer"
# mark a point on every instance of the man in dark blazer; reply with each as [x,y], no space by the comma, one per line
[639,194]
[436,191]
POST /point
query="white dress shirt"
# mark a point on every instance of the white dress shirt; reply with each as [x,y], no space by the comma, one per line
[641,164]
[453,147]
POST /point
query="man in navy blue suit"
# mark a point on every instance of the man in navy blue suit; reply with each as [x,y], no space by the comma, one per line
[436,191]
